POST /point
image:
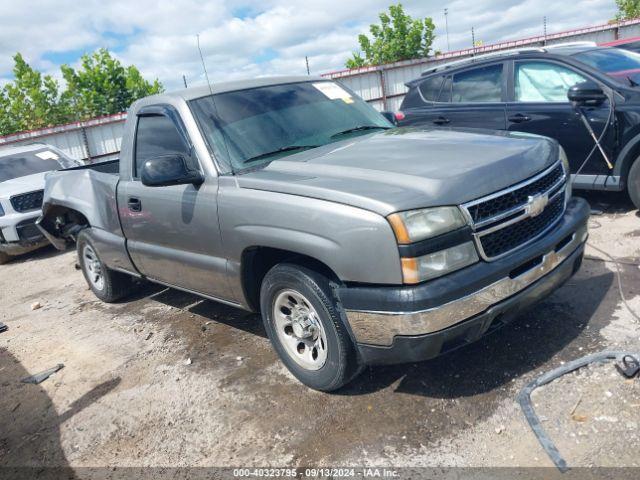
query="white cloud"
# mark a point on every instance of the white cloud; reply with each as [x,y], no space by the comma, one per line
[249,38]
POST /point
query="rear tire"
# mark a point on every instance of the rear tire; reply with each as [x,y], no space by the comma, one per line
[633,183]
[305,326]
[108,285]
[4,258]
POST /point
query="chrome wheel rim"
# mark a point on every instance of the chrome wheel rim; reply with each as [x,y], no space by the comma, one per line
[300,330]
[93,267]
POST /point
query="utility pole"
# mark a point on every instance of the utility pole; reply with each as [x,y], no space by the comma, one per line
[306,59]
[473,41]
[446,26]
[184,79]
[544,21]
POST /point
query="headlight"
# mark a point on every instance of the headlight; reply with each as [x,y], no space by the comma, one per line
[416,225]
[432,265]
[565,165]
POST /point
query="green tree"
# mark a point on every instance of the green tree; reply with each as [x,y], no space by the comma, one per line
[102,85]
[30,101]
[398,37]
[627,9]
[7,124]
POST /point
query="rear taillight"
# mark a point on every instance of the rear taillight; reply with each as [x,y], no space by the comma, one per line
[399,116]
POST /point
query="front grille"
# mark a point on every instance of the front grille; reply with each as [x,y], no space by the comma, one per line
[509,219]
[487,209]
[27,201]
[508,238]
[28,232]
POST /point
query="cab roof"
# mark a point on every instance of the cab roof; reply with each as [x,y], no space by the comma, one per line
[30,147]
[235,85]
[566,49]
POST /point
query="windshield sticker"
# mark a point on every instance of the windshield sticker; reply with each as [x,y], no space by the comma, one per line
[47,155]
[333,91]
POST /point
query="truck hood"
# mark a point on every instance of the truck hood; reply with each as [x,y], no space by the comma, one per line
[19,185]
[405,168]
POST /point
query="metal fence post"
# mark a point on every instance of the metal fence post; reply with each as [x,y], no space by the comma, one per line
[383,87]
[85,140]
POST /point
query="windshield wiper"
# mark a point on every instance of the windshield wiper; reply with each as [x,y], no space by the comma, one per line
[359,129]
[288,148]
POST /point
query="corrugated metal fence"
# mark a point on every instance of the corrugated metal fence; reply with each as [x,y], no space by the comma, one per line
[383,86]
[93,140]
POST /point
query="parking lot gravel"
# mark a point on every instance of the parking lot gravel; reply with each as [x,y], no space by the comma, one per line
[169,379]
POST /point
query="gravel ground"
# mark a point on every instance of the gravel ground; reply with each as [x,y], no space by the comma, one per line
[168,379]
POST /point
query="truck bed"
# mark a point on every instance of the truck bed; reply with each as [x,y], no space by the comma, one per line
[89,190]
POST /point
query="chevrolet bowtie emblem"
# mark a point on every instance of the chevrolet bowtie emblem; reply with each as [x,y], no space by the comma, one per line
[536,204]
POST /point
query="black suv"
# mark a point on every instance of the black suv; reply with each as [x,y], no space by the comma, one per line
[575,93]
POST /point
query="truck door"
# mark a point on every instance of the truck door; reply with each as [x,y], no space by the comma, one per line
[172,232]
[540,105]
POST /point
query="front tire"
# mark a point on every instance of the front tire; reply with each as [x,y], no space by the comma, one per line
[108,285]
[633,183]
[305,326]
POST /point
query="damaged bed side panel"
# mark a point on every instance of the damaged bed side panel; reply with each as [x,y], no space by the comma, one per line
[92,195]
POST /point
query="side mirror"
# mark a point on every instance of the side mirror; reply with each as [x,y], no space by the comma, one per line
[586,93]
[165,170]
[390,116]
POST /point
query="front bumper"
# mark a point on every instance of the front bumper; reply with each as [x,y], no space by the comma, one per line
[402,324]
[19,234]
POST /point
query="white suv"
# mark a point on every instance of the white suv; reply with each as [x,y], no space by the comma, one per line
[22,172]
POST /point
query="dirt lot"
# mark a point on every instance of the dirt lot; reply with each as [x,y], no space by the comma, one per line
[168,379]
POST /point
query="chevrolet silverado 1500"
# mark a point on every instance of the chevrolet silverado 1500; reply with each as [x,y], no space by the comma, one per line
[359,243]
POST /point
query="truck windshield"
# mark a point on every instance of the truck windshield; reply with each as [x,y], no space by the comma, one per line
[248,128]
[28,163]
[618,63]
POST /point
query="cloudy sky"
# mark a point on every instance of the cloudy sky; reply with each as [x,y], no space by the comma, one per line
[245,38]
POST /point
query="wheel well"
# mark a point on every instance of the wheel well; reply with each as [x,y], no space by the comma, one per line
[257,261]
[629,159]
[63,222]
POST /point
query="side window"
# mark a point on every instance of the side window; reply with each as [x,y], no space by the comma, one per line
[478,85]
[412,99]
[430,88]
[544,82]
[156,135]
[445,91]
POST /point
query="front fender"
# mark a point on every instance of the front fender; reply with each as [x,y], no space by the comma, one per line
[358,245]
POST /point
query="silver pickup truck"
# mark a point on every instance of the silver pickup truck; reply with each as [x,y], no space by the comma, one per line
[358,242]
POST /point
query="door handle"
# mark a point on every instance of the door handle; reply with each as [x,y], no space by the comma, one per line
[135,205]
[441,121]
[519,118]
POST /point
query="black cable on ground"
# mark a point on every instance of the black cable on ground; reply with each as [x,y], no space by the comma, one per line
[619,277]
[524,399]
[604,260]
